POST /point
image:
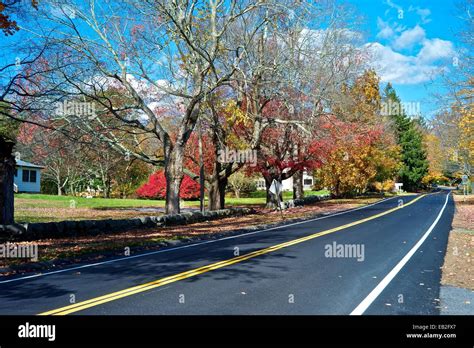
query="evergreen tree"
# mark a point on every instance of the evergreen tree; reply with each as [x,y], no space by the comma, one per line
[410,138]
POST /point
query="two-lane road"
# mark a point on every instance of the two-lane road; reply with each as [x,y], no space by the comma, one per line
[390,264]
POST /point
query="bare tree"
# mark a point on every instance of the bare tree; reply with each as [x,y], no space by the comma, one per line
[137,62]
[451,123]
[137,75]
[301,61]
[10,71]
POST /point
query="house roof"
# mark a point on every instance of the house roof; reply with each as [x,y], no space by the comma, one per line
[21,163]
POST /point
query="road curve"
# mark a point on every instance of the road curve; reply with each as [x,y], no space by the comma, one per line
[285,270]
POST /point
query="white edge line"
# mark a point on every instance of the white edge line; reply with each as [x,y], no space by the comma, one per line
[362,307]
[189,245]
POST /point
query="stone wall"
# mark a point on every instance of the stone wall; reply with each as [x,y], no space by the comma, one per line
[35,231]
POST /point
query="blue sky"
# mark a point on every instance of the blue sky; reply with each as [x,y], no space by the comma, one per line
[412,40]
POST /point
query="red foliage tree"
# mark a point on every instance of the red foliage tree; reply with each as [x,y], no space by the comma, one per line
[285,150]
[155,188]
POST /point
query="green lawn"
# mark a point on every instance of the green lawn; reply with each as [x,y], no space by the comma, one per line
[50,201]
[46,208]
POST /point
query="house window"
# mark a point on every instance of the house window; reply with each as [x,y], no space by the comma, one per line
[32,175]
[308,182]
[29,175]
[26,175]
[261,184]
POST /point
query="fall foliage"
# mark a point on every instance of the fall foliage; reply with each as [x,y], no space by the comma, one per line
[356,159]
[155,188]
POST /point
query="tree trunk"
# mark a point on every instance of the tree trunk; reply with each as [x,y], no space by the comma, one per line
[217,193]
[201,169]
[336,189]
[219,180]
[107,188]
[107,181]
[173,184]
[174,177]
[214,195]
[272,200]
[222,187]
[202,182]
[174,159]
[7,170]
[298,192]
[218,185]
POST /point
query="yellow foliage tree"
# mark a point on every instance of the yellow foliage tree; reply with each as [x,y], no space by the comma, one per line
[466,130]
[363,152]
[357,160]
[436,158]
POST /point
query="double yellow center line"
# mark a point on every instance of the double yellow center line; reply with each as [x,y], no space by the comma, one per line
[194,272]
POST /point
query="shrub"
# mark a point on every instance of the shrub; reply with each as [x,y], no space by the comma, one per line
[155,188]
[241,184]
[434,178]
[386,186]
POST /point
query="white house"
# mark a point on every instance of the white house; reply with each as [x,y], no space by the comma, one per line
[287,184]
[27,177]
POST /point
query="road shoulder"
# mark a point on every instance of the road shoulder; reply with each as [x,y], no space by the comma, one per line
[457,283]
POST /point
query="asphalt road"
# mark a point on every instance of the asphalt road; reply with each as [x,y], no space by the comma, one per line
[284,270]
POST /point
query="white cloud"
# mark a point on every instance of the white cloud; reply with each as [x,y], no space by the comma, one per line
[409,38]
[436,49]
[424,13]
[394,5]
[316,38]
[427,56]
[311,37]
[403,69]
[385,30]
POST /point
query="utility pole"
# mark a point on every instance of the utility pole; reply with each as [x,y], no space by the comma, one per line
[201,169]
